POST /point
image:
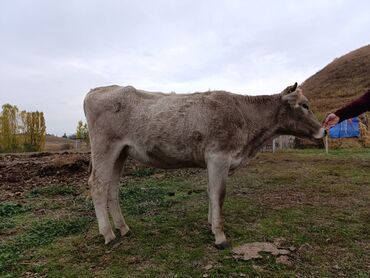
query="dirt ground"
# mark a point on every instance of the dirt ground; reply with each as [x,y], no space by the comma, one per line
[21,172]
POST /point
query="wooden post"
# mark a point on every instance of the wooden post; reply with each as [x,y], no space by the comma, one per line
[273,146]
[326,144]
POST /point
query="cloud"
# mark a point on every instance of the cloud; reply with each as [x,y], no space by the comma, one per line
[53,53]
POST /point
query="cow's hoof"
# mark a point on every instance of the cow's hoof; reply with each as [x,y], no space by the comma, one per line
[109,237]
[114,243]
[127,234]
[223,245]
[120,234]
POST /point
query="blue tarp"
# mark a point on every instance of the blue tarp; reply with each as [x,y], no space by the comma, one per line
[346,129]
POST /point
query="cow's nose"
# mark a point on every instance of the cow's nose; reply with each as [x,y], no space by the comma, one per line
[320,134]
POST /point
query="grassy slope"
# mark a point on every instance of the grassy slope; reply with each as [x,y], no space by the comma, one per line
[339,82]
[318,203]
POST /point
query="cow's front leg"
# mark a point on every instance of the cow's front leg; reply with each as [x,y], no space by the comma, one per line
[218,168]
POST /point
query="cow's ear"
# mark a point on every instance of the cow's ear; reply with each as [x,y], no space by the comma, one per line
[289,89]
[292,98]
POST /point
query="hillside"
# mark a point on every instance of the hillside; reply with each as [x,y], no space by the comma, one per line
[339,82]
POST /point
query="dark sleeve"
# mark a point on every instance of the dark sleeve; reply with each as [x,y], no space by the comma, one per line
[355,108]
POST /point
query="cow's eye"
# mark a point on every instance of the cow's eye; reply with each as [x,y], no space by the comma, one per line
[305,106]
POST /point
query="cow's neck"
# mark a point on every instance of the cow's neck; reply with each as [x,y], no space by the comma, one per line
[261,113]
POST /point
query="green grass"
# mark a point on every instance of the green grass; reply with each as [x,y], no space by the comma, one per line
[318,203]
[147,196]
[8,209]
[41,233]
[7,212]
[143,172]
[53,190]
[344,153]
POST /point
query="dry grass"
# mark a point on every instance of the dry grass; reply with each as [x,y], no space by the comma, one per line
[339,82]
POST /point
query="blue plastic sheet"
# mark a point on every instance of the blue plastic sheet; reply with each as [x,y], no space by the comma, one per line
[346,129]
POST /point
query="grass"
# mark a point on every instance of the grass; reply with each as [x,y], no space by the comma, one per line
[41,233]
[7,211]
[143,172]
[318,203]
[53,190]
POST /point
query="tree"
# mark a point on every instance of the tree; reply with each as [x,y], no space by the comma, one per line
[21,129]
[8,128]
[34,130]
[82,132]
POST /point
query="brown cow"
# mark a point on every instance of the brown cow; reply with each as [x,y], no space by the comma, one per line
[216,130]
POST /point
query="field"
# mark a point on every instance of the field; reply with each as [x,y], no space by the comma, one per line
[55,144]
[316,204]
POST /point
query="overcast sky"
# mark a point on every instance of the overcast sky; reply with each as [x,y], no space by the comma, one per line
[53,52]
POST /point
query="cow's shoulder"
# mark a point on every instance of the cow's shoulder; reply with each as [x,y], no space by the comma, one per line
[223,104]
[225,112]
[223,98]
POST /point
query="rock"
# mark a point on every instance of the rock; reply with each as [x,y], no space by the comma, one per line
[336,267]
[279,241]
[284,260]
[292,248]
[305,247]
[257,268]
[250,251]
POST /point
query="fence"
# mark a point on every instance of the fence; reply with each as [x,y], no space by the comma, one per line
[282,142]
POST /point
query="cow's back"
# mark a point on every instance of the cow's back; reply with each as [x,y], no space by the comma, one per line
[175,129]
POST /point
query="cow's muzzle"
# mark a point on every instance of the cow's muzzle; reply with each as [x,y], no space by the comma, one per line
[320,134]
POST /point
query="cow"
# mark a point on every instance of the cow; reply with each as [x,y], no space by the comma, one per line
[215,130]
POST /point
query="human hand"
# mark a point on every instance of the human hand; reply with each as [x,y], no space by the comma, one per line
[331,120]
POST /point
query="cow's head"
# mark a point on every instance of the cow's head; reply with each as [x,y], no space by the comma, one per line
[296,117]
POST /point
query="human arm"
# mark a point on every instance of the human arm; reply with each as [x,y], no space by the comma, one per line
[355,108]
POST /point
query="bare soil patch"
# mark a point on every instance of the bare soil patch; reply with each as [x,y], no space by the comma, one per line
[22,172]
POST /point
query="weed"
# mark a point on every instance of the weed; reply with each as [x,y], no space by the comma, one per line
[143,172]
[144,200]
[7,211]
[10,209]
[40,234]
[6,224]
[54,190]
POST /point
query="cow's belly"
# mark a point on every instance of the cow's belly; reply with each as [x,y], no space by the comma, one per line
[165,158]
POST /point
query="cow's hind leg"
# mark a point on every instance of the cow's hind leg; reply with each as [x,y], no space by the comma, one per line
[218,168]
[113,195]
[99,182]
